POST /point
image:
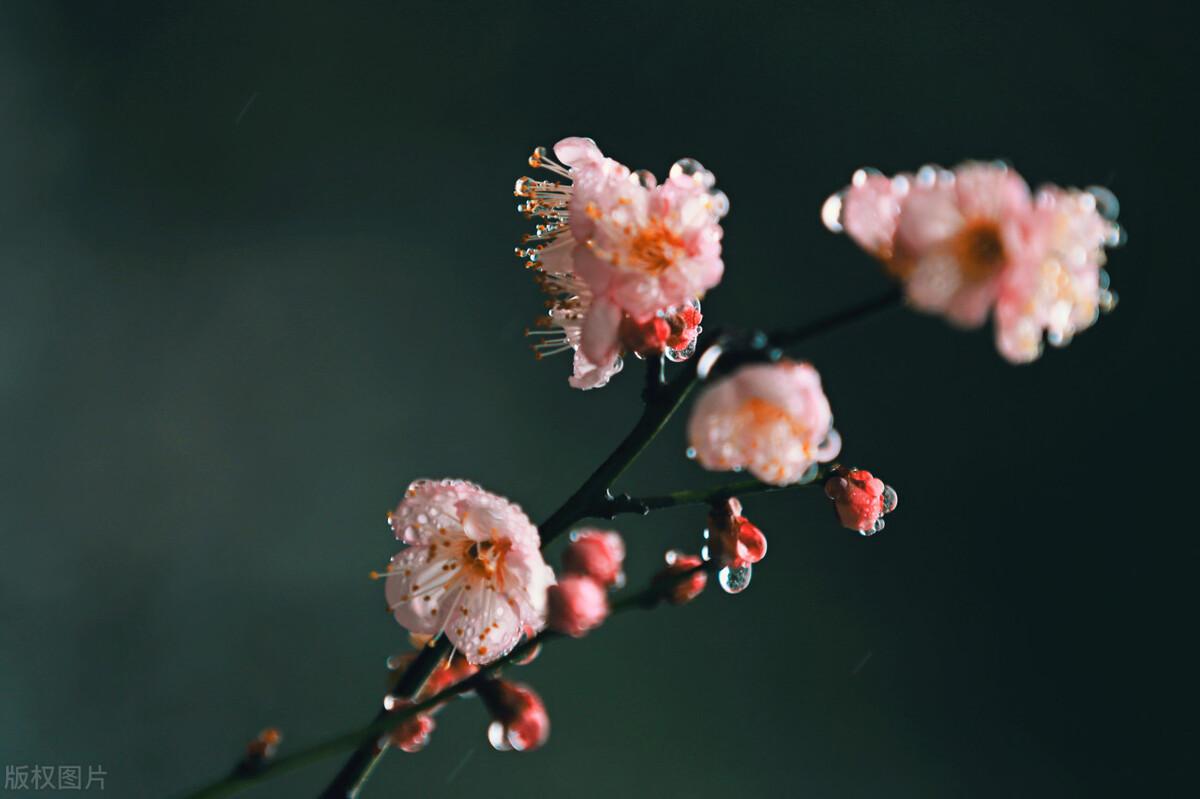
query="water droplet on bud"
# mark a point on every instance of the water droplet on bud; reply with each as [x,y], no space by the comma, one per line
[498,737]
[831,213]
[735,579]
[889,499]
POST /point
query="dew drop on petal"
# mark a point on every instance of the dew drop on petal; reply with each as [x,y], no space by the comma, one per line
[735,579]
[671,556]
[389,702]
[831,213]
[704,553]
[497,737]
[691,453]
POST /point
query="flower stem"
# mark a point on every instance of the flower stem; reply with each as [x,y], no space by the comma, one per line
[350,779]
[707,496]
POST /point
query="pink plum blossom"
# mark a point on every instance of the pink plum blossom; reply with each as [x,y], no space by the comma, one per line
[620,251]
[972,241]
[472,569]
[772,419]
[1062,292]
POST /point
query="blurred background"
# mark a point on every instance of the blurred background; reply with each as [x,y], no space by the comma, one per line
[256,275]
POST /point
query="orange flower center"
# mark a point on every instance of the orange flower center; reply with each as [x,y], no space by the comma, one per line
[979,250]
[654,248]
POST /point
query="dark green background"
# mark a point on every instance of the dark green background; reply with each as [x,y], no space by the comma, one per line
[256,275]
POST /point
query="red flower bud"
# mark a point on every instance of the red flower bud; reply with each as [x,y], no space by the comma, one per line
[412,734]
[682,580]
[520,720]
[735,540]
[860,499]
[644,338]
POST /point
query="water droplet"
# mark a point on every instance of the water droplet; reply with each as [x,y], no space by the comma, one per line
[705,534]
[879,525]
[1106,202]
[926,175]
[704,553]
[681,355]
[889,498]
[1116,236]
[498,737]
[619,581]
[691,453]
[671,556]
[1108,300]
[686,166]
[1105,280]
[390,702]
[720,202]
[831,213]
[735,579]
[644,178]
[422,519]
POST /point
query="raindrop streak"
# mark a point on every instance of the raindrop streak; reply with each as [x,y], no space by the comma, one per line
[735,579]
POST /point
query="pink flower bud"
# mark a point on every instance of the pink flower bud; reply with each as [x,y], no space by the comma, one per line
[736,542]
[575,605]
[520,720]
[598,554]
[682,580]
[860,499]
[412,734]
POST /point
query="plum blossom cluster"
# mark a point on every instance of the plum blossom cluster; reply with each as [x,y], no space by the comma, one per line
[623,258]
[974,241]
[624,261]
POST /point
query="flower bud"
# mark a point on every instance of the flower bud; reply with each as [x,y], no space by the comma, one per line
[520,720]
[682,580]
[575,605]
[735,541]
[860,499]
[647,338]
[412,734]
[598,554]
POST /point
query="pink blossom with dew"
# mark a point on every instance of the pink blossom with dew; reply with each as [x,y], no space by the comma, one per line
[772,419]
[1062,292]
[473,568]
[968,241]
[643,249]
